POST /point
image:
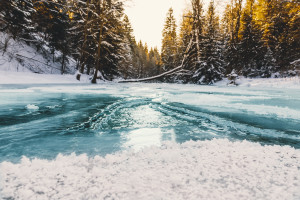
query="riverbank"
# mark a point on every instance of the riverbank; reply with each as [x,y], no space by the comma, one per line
[11,77]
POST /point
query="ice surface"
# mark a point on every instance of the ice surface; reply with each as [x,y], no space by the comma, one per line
[217,169]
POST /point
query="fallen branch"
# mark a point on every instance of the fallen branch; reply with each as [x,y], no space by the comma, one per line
[163,74]
[153,77]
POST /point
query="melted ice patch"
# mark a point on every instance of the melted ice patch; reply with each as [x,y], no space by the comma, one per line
[217,169]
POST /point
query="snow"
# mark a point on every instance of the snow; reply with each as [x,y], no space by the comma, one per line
[10,77]
[13,77]
[32,61]
[291,82]
[217,169]
[32,107]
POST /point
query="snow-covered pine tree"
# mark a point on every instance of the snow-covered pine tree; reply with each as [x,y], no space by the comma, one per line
[191,36]
[169,43]
[126,66]
[211,66]
[232,17]
[192,56]
[107,37]
[59,31]
[269,64]
[251,47]
[185,34]
[82,36]
[16,17]
[294,31]
[154,62]
[280,21]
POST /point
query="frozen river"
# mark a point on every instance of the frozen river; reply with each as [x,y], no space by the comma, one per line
[42,121]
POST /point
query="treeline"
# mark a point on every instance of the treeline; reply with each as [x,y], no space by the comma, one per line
[252,38]
[95,33]
[255,40]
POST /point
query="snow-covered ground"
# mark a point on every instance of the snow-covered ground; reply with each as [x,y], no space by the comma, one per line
[13,53]
[291,82]
[217,169]
[9,77]
[12,77]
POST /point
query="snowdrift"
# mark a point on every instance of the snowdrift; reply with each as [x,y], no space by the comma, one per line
[217,169]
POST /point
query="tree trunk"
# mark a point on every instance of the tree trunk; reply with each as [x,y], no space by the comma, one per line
[94,80]
[63,64]
[82,53]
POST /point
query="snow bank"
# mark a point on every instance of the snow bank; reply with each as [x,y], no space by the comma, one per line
[217,169]
[291,82]
[9,77]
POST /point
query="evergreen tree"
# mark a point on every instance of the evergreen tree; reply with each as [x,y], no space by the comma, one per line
[16,16]
[251,49]
[294,32]
[232,17]
[211,66]
[193,52]
[127,63]
[169,43]
[279,21]
[185,35]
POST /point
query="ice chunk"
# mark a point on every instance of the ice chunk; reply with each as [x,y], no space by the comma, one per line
[32,107]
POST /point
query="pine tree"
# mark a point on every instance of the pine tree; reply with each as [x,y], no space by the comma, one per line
[169,43]
[186,34]
[251,48]
[127,63]
[294,32]
[211,67]
[193,51]
[280,24]
[16,16]
[232,17]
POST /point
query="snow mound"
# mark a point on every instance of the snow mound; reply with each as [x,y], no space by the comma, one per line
[32,107]
[217,169]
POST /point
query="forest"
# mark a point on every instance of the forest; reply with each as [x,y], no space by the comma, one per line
[251,38]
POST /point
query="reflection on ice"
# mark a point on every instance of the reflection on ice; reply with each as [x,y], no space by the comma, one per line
[143,137]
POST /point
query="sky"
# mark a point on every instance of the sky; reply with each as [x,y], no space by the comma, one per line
[147,17]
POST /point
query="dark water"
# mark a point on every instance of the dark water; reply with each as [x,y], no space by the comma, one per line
[45,120]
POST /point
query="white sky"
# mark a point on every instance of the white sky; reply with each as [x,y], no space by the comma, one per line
[148,17]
